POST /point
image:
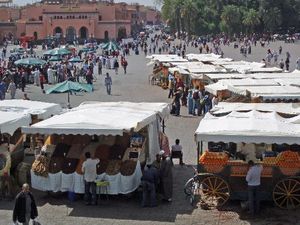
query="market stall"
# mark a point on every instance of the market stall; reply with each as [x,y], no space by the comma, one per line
[9,124]
[123,135]
[231,140]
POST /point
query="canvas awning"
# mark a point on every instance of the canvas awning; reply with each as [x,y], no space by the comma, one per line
[11,121]
[286,108]
[249,127]
[102,118]
[43,110]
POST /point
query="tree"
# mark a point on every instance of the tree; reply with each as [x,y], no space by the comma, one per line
[231,18]
[272,18]
[251,19]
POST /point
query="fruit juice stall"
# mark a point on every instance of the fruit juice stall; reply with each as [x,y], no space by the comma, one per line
[123,135]
[273,141]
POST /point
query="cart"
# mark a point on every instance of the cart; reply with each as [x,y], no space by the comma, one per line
[221,177]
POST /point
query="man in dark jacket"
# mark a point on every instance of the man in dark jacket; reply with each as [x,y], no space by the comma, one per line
[25,207]
[149,182]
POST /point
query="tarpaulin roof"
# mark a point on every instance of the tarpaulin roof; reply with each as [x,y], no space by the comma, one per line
[167,58]
[286,108]
[102,118]
[11,121]
[42,109]
[249,127]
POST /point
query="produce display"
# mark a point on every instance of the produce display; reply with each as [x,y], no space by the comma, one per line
[69,165]
[289,163]
[102,152]
[56,164]
[40,166]
[128,167]
[113,167]
[61,150]
[75,151]
[213,162]
[102,166]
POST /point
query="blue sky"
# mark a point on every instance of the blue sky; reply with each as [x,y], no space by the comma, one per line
[142,2]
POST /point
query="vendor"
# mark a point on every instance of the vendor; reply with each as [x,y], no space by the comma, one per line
[247,152]
[89,169]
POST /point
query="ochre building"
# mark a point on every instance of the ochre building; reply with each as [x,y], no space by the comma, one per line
[75,20]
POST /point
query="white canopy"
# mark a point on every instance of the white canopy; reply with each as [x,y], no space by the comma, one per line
[219,76]
[178,69]
[11,121]
[274,75]
[167,58]
[102,118]
[249,82]
[264,70]
[43,110]
[287,108]
[203,57]
[282,92]
[199,67]
[249,127]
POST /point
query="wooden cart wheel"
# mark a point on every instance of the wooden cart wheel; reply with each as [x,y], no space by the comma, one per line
[286,193]
[214,191]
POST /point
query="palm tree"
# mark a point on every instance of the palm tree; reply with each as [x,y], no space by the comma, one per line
[251,19]
[272,18]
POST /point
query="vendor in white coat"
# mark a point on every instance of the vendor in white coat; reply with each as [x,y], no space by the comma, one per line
[50,73]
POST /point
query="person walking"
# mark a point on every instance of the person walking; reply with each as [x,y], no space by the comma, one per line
[2,90]
[197,96]
[12,89]
[124,65]
[116,66]
[166,175]
[150,181]
[253,179]
[108,83]
[281,64]
[176,101]
[100,67]
[25,207]
[287,61]
[89,169]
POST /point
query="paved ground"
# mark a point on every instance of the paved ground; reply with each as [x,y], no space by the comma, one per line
[57,210]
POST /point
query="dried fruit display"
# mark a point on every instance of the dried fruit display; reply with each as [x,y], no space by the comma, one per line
[40,166]
[128,167]
[102,166]
[113,167]
[213,158]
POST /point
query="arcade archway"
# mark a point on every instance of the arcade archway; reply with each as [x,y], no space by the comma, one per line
[70,34]
[57,32]
[83,33]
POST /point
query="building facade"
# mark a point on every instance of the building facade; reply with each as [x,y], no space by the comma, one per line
[73,20]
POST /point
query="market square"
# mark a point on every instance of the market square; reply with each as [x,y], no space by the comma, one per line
[138,104]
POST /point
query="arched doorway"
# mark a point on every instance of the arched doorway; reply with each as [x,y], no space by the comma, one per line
[83,33]
[35,35]
[106,37]
[122,33]
[70,34]
[57,32]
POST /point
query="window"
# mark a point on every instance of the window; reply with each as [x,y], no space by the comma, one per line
[41,18]
[100,18]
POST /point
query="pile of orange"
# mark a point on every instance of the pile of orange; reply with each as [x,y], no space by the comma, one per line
[270,161]
[289,163]
[213,162]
